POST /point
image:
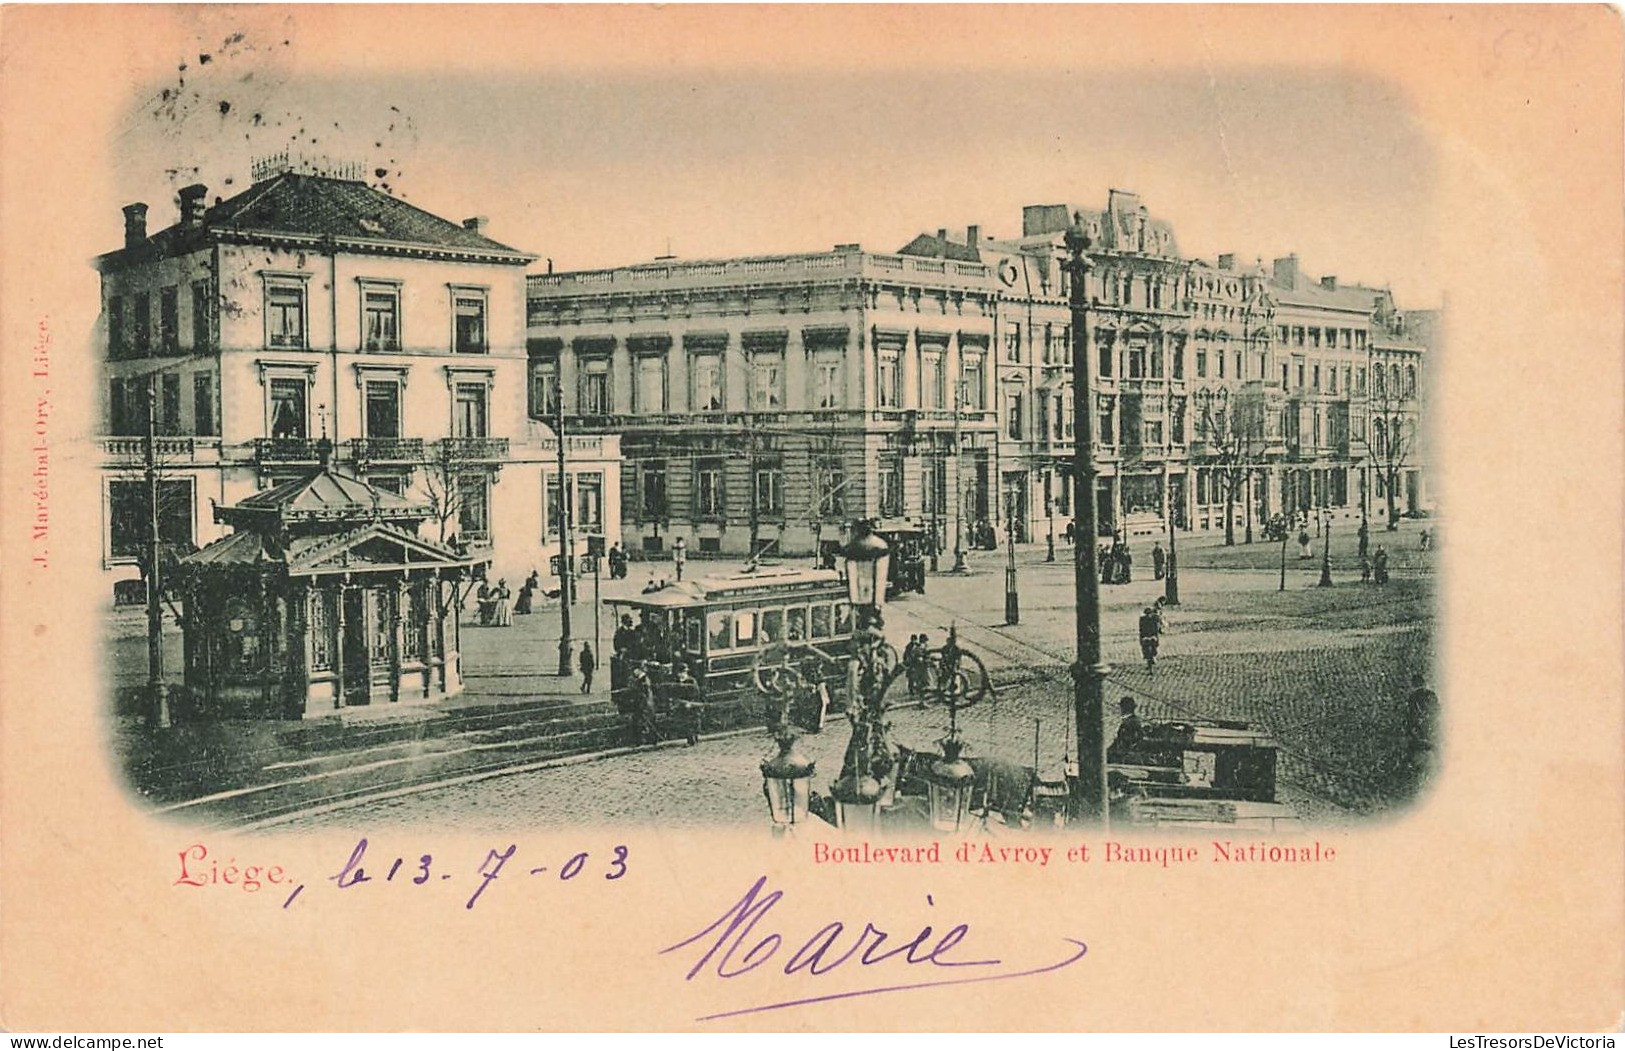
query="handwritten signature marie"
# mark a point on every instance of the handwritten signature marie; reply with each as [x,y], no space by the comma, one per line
[731,946]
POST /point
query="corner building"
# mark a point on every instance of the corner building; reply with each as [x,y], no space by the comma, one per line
[310,307]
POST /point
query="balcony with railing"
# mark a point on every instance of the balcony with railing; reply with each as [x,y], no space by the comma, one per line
[471,449]
[386,450]
[186,449]
[286,451]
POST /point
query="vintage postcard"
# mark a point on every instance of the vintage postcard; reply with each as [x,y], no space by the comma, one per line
[811,518]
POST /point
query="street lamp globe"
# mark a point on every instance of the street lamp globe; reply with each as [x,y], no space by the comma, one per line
[785,780]
[867,559]
[949,781]
[857,801]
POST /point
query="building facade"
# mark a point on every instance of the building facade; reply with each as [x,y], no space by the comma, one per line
[764,403]
[306,307]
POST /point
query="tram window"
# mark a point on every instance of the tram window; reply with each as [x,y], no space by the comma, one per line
[691,633]
[820,621]
[718,625]
[745,627]
[772,625]
[843,618]
[796,624]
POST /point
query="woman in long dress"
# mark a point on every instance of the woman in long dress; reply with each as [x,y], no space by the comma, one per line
[504,615]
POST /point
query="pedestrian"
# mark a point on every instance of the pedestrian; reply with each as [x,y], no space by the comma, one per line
[503,613]
[679,555]
[485,602]
[527,593]
[1379,565]
[1105,556]
[911,656]
[686,696]
[1303,543]
[1159,560]
[617,562]
[1365,568]
[1125,564]
[1421,714]
[1071,532]
[1150,637]
[1424,540]
[1129,733]
[588,665]
[1365,538]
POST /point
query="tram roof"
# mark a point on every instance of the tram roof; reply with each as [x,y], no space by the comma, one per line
[700,591]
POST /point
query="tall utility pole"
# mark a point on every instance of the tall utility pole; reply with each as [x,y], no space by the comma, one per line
[959,465]
[567,591]
[157,691]
[1326,547]
[1170,581]
[1089,674]
[1012,598]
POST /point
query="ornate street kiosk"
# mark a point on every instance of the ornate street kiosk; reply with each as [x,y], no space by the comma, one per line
[324,596]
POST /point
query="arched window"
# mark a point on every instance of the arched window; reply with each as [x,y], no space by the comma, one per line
[1410,381]
[1379,438]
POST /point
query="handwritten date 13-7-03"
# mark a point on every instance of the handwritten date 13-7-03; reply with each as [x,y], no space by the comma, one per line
[423,868]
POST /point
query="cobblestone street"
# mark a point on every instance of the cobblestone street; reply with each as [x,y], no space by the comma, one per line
[1324,671]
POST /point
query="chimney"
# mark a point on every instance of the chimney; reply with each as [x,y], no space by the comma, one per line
[973,235]
[1227,261]
[192,204]
[1329,283]
[1286,271]
[135,224]
[942,233]
[477,223]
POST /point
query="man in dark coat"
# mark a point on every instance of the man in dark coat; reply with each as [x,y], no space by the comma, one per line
[1379,564]
[1365,538]
[1159,560]
[1421,715]
[1150,637]
[588,664]
[1129,733]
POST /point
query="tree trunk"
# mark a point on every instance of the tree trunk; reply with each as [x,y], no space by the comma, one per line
[1230,509]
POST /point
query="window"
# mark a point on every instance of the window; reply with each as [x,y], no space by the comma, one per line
[468,411]
[128,516]
[474,506]
[745,627]
[169,415]
[1176,415]
[288,410]
[890,484]
[1178,358]
[653,490]
[1156,363]
[1218,361]
[1153,432]
[202,317]
[708,497]
[169,319]
[1331,378]
[203,404]
[772,625]
[544,388]
[141,325]
[1012,343]
[1300,375]
[468,324]
[380,319]
[649,390]
[590,501]
[1315,382]
[974,392]
[551,505]
[889,386]
[767,382]
[934,382]
[718,625]
[1105,432]
[820,621]
[827,381]
[383,409]
[1012,414]
[1136,363]
[117,346]
[285,315]
[1201,363]
[934,487]
[323,637]
[595,395]
[1410,381]
[1238,366]
[770,490]
[831,488]
[1105,358]
[121,417]
[1043,403]
[707,380]
[1380,376]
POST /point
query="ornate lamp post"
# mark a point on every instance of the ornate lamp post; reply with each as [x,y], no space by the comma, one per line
[1089,792]
[1325,548]
[961,682]
[857,792]
[1012,597]
[785,780]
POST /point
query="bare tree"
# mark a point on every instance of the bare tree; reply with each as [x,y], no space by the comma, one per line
[1390,439]
[1234,429]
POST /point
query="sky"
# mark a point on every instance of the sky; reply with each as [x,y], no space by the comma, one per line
[591,164]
